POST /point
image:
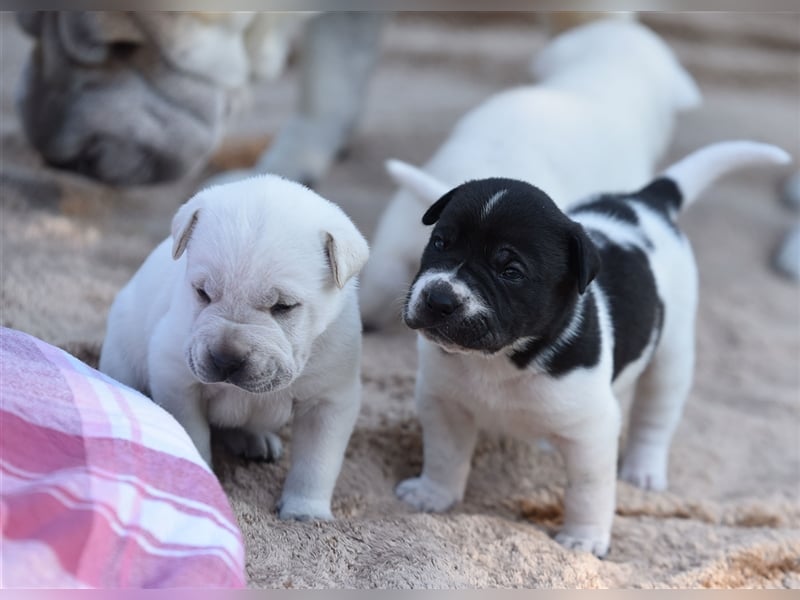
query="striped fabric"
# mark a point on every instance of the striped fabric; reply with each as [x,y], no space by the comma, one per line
[100,487]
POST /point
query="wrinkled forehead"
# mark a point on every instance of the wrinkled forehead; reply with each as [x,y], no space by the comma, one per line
[256,253]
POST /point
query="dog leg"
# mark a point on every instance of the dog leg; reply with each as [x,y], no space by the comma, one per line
[338,55]
[660,395]
[589,500]
[320,434]
[266,447]
[184,403]
[449,433]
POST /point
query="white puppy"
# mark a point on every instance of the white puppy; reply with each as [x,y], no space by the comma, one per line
[246,317]
[600,117]
[535,322]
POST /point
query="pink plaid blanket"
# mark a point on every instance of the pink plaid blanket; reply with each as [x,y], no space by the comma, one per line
[100,487]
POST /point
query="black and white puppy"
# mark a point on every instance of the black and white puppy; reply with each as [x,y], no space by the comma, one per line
[535,323]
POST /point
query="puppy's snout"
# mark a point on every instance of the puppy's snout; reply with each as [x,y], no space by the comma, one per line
[441,301]
[226,362]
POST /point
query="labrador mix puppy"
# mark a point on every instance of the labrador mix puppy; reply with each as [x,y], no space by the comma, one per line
[535,322]
[246,318]
[599,117]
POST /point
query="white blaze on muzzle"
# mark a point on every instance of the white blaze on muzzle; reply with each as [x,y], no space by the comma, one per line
[470,304]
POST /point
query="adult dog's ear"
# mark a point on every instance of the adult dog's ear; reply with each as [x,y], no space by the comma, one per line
[584,258]
[183,224]
[30,21]
[435,211]
[347,251]
[91,37]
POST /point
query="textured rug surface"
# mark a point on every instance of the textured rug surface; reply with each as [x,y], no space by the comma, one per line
[731,517]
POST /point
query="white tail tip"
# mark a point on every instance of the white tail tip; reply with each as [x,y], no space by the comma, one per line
[423,186]
[694,173]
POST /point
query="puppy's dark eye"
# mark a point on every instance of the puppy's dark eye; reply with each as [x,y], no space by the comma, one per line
[202,295]
[511,274]
[438,242]
[281,308]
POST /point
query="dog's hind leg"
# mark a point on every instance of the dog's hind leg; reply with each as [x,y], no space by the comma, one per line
[660,396]
[266,447]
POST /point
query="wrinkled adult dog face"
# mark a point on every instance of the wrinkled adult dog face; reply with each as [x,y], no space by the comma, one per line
[266,261]
[98,97]
[503,263]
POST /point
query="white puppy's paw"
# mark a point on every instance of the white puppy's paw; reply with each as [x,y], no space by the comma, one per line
[645,468]
[266,447]
[297,508]
[425,495]
[585,539]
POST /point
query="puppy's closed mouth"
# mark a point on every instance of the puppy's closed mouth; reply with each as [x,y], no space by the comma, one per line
[483,343]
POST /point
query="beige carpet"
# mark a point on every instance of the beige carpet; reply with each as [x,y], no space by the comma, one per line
[732,515]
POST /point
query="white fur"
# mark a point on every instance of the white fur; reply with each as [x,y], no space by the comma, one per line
[458,393]
[599,118]
[250,245]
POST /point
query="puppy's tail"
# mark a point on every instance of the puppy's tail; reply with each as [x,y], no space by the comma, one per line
[694,173]
[422,186]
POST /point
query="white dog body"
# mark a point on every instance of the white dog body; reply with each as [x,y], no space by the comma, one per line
[479,369]
[600,117]
[254,323]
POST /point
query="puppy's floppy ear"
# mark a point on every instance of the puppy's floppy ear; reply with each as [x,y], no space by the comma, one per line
[434,212]
[584,258]
[347,251]
[182,226]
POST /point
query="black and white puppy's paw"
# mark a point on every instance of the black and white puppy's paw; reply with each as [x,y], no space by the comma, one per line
[425,495]
[584,540]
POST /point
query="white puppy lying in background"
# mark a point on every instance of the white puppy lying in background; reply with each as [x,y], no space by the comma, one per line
[246,317]
[600,117]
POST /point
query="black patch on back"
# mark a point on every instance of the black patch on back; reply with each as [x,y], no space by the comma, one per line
[582,350]
[636,310]
[612,205]
[662,196]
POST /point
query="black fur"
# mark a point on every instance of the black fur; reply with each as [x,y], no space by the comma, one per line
[632,297]
[557,267]
[581,350]
[609,204]
[525,259]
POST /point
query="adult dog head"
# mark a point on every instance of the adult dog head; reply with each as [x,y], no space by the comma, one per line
[503,264]
[135,98]
[268,263]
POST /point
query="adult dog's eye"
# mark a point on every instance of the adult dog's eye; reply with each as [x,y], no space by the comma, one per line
[281,308]
[511,274]
[202,295]
[438,242]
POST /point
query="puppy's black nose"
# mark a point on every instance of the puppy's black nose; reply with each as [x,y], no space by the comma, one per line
[441,302]
[226,363]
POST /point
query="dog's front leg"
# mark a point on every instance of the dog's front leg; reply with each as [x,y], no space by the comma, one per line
[338,55]
[320,432]
[590,456]
[449,433]
[185,403]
